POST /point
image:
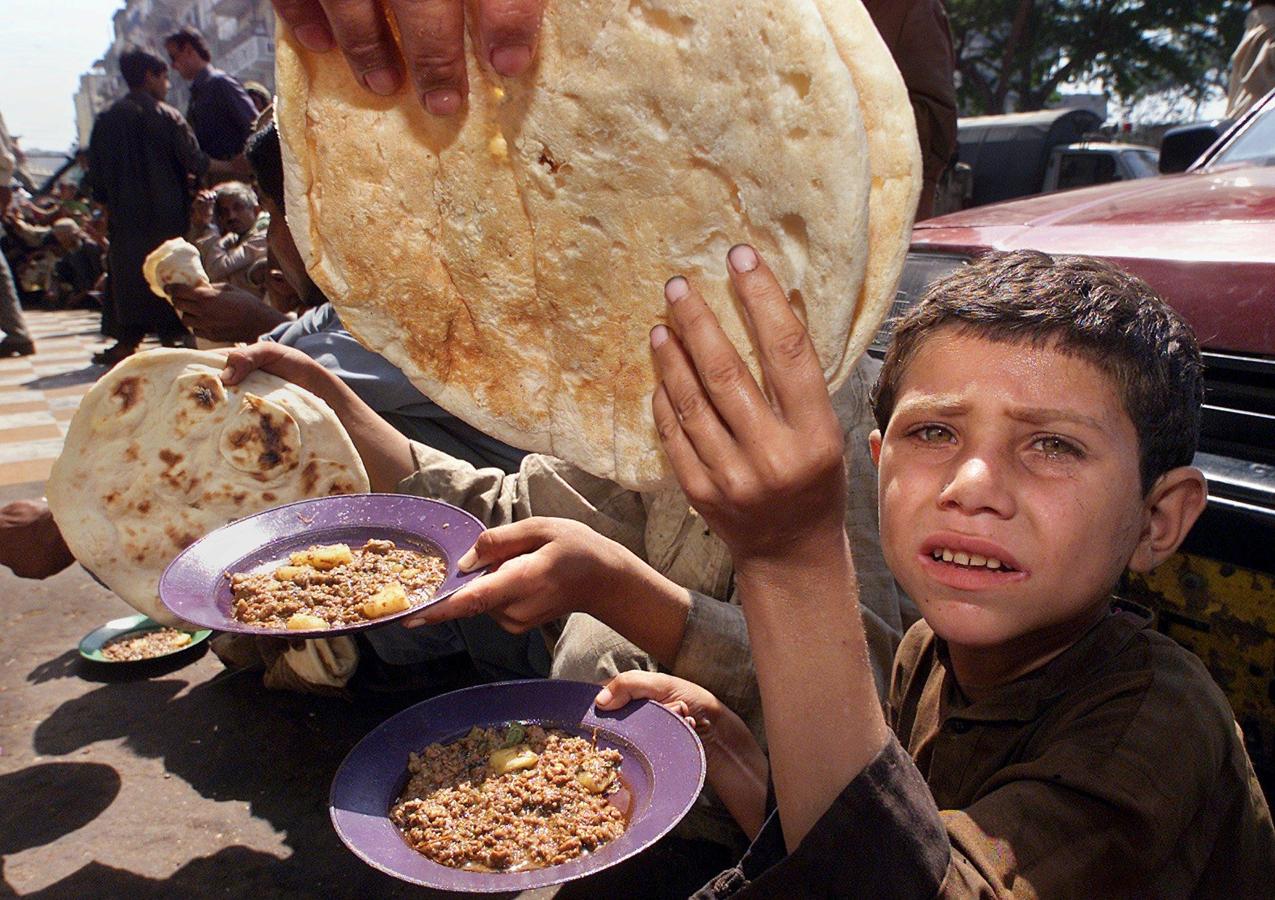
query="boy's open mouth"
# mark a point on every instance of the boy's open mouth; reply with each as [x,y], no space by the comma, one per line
[969,560]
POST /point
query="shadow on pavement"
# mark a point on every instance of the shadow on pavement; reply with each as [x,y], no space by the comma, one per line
[86,375]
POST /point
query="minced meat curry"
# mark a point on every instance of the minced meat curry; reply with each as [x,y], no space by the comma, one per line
[512,798]
[332,585]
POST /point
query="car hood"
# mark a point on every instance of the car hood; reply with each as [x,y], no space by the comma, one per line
[1202,240]
[1231,194]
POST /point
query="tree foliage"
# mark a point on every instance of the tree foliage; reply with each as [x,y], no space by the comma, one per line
[1017,53]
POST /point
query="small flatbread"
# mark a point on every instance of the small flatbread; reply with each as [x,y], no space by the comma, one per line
[511,261]
[160,453]
[176,261]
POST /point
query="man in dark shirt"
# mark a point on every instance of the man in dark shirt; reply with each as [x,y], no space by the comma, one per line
[220,110]
[920,40]
[143,162]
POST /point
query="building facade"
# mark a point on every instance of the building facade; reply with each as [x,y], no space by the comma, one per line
[240,35]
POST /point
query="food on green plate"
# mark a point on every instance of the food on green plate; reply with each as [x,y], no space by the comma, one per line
[138,645]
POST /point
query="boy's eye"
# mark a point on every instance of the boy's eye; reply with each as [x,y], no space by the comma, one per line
[933,434]
[1055,447]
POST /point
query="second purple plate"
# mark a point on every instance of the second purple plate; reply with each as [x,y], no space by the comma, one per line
[663,768]
[195,587]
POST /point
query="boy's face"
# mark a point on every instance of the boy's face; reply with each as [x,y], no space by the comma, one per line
[1018,467]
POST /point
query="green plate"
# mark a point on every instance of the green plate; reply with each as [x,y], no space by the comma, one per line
[91,645]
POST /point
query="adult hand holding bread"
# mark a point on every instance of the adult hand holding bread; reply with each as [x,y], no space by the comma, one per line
[221,312]
[433,41]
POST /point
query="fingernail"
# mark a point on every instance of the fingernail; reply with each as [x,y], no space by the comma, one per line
[603,698]
[313,37]
[382,81]
[676,288]
[443,102]
[659,334]
[227,373]
[467,561]
[743,258]
[511,61]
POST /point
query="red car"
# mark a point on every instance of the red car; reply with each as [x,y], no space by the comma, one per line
[1205,240]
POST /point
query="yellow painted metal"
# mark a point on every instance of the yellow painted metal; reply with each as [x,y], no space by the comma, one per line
[1226,616]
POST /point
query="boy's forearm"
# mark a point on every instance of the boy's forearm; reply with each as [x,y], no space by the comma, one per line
[737,770]
[650,611]
[823,719]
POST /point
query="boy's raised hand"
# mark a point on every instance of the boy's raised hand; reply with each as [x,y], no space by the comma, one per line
[766,473]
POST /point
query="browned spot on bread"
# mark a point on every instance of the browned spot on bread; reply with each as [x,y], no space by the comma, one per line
[309,478]
[111,497]
[341,487]
[170,458]
[268,496]
[144,507]
[182,539]
[204,393]
[132,453]
[239,497]
[127,392]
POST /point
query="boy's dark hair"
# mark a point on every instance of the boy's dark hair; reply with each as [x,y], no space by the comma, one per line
[190,37]
[136,64]
[1084,307]
[265,157]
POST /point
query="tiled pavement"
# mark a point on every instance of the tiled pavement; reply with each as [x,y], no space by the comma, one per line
[39,394]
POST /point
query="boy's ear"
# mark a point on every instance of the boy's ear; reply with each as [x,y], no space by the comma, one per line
[874,446]
[1171,508]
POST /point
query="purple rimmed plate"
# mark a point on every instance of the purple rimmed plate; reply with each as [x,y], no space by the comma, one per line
[663,767]
[195,587]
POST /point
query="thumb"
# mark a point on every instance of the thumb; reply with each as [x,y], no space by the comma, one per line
[496,545]
[635,685]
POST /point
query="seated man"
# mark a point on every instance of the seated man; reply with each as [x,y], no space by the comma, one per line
[229,251]
[1038,417]
[79,272]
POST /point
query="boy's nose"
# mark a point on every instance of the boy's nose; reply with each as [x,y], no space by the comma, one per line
[978,483]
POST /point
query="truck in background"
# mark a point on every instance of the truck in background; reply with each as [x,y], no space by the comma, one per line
[1021,154]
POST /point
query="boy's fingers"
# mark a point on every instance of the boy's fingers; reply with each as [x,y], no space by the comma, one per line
[479,596]
[635,685]
[507,31]
[433,35]
[504,542]
[689,468]
[692,404]
[729,385]
[788,357]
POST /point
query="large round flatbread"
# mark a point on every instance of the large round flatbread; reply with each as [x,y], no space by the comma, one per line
[160,453]
[511,262]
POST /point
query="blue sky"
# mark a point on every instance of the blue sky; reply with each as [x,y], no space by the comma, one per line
[44,46]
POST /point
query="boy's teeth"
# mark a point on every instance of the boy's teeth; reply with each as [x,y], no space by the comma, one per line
[961,558]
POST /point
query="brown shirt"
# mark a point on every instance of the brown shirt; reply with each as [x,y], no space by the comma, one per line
[920,40]
[1116,770]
